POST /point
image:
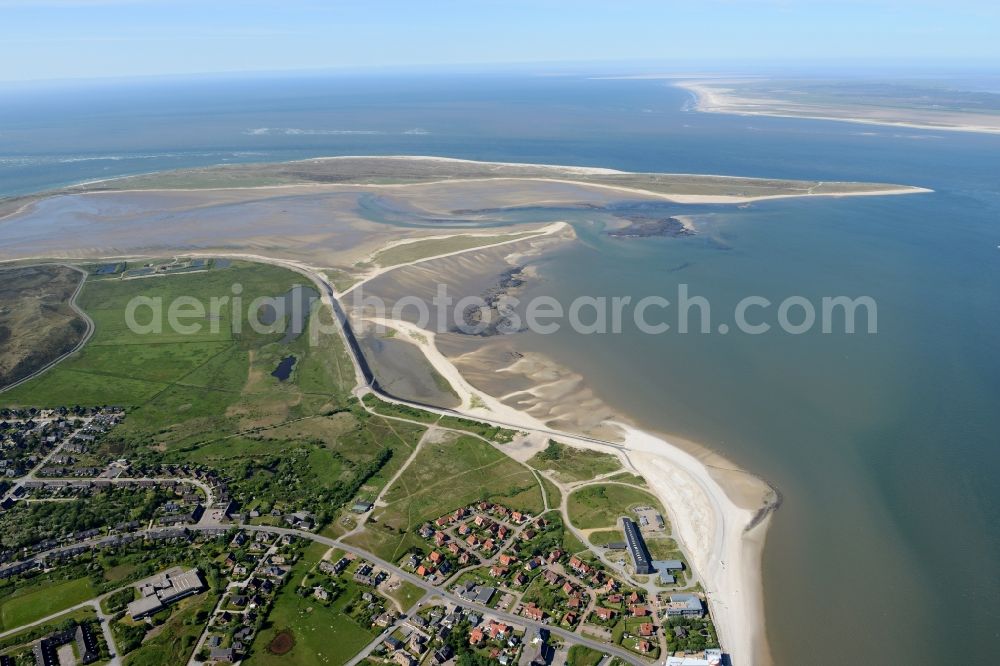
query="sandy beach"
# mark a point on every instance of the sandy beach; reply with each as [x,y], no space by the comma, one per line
[712,97]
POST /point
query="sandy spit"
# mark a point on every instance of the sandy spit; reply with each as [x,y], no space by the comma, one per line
[711,100]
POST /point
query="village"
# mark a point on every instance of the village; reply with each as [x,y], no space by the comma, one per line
[486,581]
[495,559]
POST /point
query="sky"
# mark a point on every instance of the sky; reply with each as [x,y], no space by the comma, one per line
[77,39]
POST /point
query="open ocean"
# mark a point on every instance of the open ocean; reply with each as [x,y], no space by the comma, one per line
[886,447]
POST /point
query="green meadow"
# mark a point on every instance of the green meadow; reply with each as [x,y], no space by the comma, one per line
[603,505]
[35,601]
[570,464]
[209,397]
[445,475]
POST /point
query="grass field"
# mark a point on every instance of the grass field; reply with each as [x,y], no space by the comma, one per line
[664,548]
[209,397]
[131,367]
[601,537]
[580,655]
[552,492]
[119,572]
[32,602]
[573,545]
[571,464]
[443,476]
[322,634]
[602,505]
[406,595]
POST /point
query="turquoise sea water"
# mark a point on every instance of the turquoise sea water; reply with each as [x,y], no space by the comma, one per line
[886,447]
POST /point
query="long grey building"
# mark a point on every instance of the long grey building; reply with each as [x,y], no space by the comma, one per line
[637,547]
[158,591]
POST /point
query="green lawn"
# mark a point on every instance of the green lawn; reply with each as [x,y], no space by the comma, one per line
[603,505]
[580,655]
[407,594]
[442,477]
[602,537]
[573,464]
[33,602]
[323,634]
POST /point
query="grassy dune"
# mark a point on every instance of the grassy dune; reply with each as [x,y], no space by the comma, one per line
[37,324]
[571,464]
[602,505]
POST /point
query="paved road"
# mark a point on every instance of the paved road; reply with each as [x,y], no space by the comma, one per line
[566,636]
[86,335]
[109,637]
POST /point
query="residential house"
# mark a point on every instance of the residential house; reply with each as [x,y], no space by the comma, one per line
[533,612]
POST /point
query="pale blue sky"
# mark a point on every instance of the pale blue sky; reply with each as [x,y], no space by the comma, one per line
[43,39]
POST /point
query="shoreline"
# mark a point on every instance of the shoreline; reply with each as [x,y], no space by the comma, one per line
[723,539]
[79,189]
[708,100]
